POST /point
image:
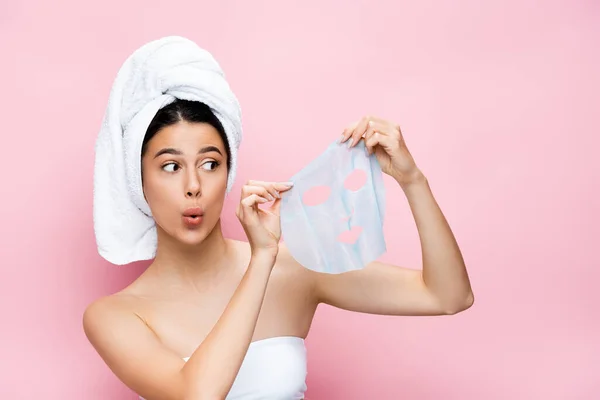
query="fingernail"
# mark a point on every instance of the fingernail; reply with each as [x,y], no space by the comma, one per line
[290,184]
[271,198]
[341,139]
[277,194]
[350,143]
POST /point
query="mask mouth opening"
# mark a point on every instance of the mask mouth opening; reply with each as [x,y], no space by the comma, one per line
[350,236]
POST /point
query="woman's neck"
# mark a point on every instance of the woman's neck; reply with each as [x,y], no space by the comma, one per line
[178,260]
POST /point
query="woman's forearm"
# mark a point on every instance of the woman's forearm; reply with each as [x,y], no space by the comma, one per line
[212,368]
[444,270]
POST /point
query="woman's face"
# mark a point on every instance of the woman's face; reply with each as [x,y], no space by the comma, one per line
[185,168]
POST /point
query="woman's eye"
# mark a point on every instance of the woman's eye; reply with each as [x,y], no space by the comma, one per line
[214,165]
[170,167]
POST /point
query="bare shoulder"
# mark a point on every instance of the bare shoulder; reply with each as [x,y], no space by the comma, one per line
[104,306]
[130,348]
[107,311]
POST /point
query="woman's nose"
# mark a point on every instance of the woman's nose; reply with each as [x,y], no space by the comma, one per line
[193,187]
[193,193]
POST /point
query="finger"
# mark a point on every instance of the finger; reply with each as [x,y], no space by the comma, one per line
[262,191]
[274,209]
[359,131]
[253,200]
[390,126]
[372,129]
[379,120]
[269,191]
[389,129]
[369,143]
[248,209]
[388,142]
[283,186]
[382,127]
[274,188]
[372,141]
[348,132]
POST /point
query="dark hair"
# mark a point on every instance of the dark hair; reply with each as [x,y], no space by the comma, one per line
[185,110]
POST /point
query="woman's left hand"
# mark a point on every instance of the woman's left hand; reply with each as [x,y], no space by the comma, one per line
[384,139]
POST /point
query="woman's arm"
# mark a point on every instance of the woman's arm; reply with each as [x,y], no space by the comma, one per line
[212,368]
[136,356]
[441,287]
[444,272]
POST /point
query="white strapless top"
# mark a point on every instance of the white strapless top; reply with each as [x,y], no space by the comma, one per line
[273,369]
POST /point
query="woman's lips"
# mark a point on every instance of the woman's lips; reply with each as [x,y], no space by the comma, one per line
[192,221]
[192,217]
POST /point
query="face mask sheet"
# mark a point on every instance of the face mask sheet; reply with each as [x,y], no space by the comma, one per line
[329,221]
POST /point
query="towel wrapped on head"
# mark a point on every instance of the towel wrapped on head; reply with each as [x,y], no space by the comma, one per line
[152,77]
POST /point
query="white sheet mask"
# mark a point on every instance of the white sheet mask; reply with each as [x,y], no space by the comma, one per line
[329,221]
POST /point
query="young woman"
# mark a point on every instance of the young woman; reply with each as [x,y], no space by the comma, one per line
[214,318]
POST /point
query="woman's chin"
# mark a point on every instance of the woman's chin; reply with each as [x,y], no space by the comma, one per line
[185,234]
[191,238]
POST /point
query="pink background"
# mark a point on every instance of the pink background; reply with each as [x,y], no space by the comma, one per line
[498,102]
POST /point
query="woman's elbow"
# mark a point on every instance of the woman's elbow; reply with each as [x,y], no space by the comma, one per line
[460,306]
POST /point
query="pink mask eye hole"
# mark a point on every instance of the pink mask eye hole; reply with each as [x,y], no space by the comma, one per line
[355,180]
[316,195]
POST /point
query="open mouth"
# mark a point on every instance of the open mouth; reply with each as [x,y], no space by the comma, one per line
[192,220]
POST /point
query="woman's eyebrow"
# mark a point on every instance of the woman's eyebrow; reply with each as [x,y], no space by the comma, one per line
[170,150]
[208,149]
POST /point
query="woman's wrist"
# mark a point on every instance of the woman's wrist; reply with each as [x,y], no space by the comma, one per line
[416,178]
[263,257]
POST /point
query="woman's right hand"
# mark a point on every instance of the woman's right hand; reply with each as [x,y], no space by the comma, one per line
[262,226]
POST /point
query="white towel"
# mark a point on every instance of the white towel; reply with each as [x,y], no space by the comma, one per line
[152,77]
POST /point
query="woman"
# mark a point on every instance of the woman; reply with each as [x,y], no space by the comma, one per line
[215,318]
